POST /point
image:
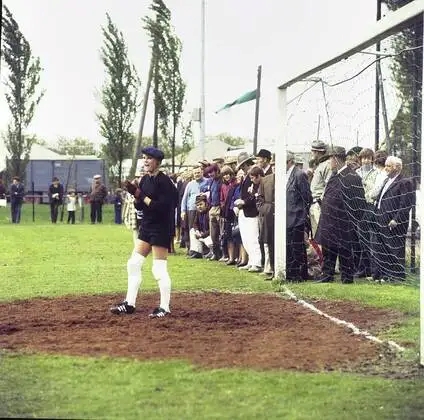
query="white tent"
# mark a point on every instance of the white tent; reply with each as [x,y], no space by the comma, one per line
[213,148]
[37,153]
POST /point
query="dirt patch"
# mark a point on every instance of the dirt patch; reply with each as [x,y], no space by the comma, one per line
[207,329]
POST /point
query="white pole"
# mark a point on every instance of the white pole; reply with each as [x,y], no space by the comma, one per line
[280,187]
[202,83]
[421,195]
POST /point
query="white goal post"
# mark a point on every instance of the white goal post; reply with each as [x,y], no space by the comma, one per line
[387,26]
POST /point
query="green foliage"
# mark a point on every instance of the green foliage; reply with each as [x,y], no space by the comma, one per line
[169,87]
[406,71]
[74,147]
[21,94]
[233,141]
[119,99]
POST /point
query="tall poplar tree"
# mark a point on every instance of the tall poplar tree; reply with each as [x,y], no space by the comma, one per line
[22,94]
[119,97]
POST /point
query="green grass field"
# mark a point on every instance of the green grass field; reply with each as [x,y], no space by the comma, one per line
[39,259]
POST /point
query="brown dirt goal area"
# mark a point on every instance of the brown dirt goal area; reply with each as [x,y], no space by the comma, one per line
[259,331]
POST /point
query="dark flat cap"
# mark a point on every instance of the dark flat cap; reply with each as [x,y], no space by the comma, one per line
[263,153]
[337,151]
[153,152]
[318,146]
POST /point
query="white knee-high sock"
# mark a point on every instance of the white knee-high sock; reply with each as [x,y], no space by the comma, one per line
[160,272]
[134,265]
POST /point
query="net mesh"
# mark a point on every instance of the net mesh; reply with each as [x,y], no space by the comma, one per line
[377,228]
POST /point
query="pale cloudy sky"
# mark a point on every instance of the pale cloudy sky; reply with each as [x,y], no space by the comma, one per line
[282,36]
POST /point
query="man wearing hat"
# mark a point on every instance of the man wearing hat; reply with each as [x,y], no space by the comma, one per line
[219,161]
[320,176]
[231,161]
[299,198]
[342,208]
[98,194]
[56,198]
[263,160]
[157,196]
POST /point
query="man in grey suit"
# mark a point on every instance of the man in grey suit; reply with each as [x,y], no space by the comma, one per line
[299,199]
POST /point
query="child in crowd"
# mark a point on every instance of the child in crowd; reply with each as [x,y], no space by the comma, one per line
[200,233]
[71,206]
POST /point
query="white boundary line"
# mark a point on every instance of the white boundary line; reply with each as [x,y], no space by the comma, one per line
[355,330]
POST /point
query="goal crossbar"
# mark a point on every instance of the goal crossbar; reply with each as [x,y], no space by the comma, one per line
[380,30]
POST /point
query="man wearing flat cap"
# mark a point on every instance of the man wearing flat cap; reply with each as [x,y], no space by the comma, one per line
[157,197]
[342,207]
[219,161]
[98,194]
[321,174]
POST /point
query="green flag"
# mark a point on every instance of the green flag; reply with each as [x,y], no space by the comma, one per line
[249,96]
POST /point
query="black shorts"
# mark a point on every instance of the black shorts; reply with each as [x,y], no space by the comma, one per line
[155,237]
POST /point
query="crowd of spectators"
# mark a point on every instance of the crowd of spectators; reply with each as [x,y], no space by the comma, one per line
[348,211]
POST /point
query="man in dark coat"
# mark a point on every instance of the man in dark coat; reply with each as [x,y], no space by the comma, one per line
[56,198]
[392,209]
[265,203]
[17,193]
[299,199]
[342,207]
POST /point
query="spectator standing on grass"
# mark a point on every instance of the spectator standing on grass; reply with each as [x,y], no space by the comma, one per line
[368,174]
[157,196]
[342,207]
[228,182]
[71,206]
[236,253]
[299,199]
[56,198]
[98,195]
[248,216]
[321,174]
[265,204]
[392,209]
[213,172]
[17,193]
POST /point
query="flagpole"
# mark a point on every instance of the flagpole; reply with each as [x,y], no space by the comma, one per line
[258,95]
[202,83]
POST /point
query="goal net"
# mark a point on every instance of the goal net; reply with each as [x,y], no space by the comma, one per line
[370,104]
[368,101]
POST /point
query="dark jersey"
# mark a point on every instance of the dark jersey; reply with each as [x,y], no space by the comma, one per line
[161,211]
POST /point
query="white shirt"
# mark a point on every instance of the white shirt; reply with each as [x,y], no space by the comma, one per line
[72,203]
[289,172]
[385,188]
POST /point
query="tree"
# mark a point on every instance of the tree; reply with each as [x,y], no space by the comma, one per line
[22,95]
[119,99]
[169,87]
[406,69]
[232,141]
[73,147]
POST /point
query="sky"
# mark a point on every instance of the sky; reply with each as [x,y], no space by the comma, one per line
[285,37]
